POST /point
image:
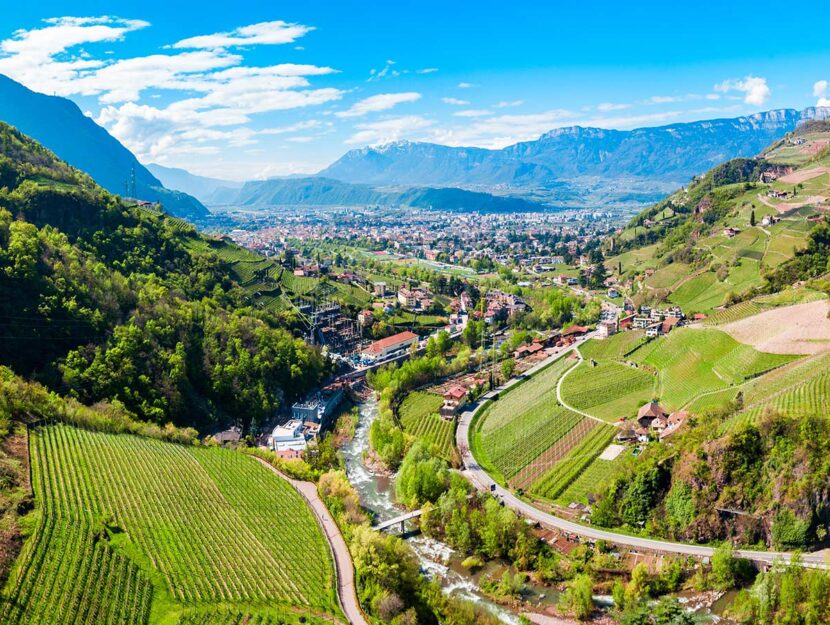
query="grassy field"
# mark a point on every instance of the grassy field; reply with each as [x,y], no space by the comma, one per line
[419,416]
[134,530]
[696,361]
[608,390]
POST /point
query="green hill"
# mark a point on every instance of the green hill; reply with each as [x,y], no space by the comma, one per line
[709,245]
[107,301]
[61,126]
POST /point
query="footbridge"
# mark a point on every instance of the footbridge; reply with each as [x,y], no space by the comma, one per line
[399,520]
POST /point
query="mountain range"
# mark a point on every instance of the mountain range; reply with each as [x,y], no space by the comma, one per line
[62,127]
[671,153]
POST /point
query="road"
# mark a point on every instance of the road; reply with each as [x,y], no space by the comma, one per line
[346,591]
[482,481]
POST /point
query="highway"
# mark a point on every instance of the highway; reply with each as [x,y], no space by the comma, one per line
[482,481]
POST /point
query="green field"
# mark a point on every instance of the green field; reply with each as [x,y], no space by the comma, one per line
[135,530]
[763,303]
[616,347]
[691,362]
[525,422]
[592,480]
[419,416]
[608,390]
[569,469]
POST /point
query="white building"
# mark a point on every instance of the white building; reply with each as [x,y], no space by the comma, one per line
[289,436]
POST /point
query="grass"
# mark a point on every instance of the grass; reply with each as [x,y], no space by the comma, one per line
[608,390]
[419,416]
[138,530]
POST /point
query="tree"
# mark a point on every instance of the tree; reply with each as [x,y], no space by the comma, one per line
[507,368]
[752,218]
[577,599]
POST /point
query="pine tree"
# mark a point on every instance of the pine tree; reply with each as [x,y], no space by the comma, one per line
[752,218]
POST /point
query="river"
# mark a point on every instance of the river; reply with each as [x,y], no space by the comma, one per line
[438,561]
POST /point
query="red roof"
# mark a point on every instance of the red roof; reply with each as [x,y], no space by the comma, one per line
[575,330]
[456,392]
[389,341]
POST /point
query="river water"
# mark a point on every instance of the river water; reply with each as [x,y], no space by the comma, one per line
[438,561]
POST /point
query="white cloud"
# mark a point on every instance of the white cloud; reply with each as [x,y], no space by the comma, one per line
[426,70]
[455,101]
[473,113]
[465,85]
[387,71]
[821,89]
[263,33]
[756,91]
[380,102]
[610,106]
[508,104]
[387,130]
[210,93]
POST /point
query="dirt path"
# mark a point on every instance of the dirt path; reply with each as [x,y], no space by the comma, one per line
[346,591]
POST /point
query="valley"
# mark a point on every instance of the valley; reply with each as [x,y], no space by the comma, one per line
[576,377]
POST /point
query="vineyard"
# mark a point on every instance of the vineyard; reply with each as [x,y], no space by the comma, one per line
[696,361]
[763,303]
[592,481]
[123,527]
[419,417]
[568,470]
[616,347]
[527,430]
[608,390]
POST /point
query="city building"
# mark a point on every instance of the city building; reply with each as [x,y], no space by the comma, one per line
[391,344]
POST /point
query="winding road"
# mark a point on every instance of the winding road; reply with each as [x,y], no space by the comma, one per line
[346,591]
[483,482]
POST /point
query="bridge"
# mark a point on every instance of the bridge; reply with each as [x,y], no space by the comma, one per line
[399,520]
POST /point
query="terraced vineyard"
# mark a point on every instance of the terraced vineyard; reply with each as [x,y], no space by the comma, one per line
[419,416]
[568,470]
[608,390]
[692,362]
[139,526]
[526,429]
[615,347]
[763,303]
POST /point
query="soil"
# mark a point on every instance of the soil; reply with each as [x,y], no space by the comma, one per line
[799,329]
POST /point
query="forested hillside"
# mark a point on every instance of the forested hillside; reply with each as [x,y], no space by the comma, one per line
[105,301]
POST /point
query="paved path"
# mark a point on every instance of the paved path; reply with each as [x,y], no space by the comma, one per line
[346,591]
[482,481]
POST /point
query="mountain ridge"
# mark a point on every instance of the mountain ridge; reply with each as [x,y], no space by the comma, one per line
[673,152]
[58,124]
[321,191]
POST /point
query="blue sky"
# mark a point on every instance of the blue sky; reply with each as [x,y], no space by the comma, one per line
[254,89]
